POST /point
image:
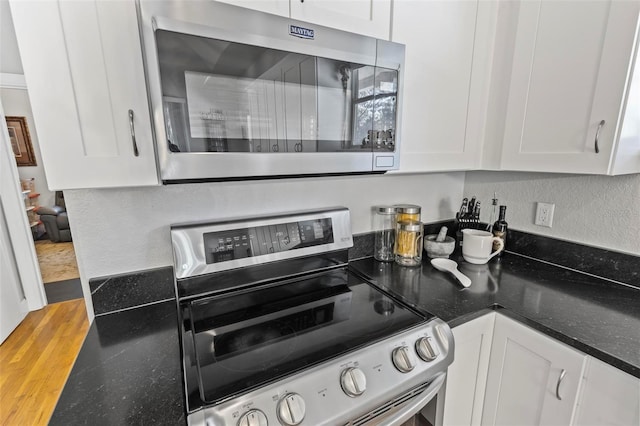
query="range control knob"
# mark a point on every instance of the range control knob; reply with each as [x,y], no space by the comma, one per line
[291,409]
[253,418]
[402,359]
[353,381]
[426,351]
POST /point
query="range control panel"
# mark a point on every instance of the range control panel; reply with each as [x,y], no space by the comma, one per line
[202,248]
[223,246]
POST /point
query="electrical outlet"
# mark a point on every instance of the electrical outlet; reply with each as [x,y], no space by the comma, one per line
[544,214]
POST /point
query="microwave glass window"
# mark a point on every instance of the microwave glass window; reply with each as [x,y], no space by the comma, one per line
[220,96]
[375,107]
[384,108]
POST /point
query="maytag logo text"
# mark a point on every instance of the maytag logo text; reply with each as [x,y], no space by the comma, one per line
[301,32]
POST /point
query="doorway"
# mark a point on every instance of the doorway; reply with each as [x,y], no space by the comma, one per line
[56,253]
[59,270]
[45,209]
[42,339]
[38,342]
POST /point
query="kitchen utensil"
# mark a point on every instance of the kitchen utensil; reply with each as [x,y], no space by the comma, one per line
[471,206]
[476,211]
[448,265]
[478,244]
[435,248]
[463,208]
[494,203]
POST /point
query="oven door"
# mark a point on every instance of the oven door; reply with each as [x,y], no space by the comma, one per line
[235,95]
[405,409]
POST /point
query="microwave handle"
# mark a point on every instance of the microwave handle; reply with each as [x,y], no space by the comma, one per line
[416,405]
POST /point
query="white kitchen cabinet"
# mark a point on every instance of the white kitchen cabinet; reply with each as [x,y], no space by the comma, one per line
[368,17]
[84,72]
[533,379]
[608,396]
[570,79]
[276,7]
[467,375]
[521,369]
[448,59]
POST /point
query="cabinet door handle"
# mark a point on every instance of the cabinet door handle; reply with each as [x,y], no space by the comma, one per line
[560,379]
[598,136]
[133,134]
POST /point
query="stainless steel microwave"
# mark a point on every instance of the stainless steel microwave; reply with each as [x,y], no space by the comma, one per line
[239,94]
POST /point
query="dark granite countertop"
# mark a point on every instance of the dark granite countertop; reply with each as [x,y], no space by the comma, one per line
[596,316]
[128,370]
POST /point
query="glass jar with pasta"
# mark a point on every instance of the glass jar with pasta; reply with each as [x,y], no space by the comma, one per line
[408,245]
[407,212]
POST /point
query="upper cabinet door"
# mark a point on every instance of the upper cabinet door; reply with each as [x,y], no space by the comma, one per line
[571,71]
[85,77]
[277,7]
[449,46]
[367,17]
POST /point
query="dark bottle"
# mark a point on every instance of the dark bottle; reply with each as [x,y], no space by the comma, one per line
[500,228]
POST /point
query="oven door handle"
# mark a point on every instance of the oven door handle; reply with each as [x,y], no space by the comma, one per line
[416,405]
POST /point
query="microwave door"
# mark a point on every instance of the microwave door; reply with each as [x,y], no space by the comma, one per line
[225,108]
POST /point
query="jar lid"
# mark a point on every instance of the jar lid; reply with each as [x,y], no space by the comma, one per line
[386,209]
[410,225]
[407,208]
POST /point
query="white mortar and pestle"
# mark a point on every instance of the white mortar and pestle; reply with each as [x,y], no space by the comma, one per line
[438,248]
[439,245]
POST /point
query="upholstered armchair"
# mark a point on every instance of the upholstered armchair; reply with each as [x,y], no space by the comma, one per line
[55,220]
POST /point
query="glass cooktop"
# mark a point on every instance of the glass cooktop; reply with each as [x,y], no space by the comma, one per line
[237,342]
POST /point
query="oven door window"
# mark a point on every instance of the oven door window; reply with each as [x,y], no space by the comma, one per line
[242,341]
[221,96]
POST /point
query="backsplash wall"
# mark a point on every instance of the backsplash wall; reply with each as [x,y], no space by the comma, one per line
[601,211]
[123,230]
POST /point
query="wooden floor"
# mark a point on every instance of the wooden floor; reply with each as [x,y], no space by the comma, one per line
[57,261]
[36,359]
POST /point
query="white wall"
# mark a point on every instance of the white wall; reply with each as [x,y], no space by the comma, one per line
[600,211]
[123,230]
[16,103]
[9,54]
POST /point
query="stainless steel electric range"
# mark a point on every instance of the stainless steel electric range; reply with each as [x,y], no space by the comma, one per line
[277,330]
